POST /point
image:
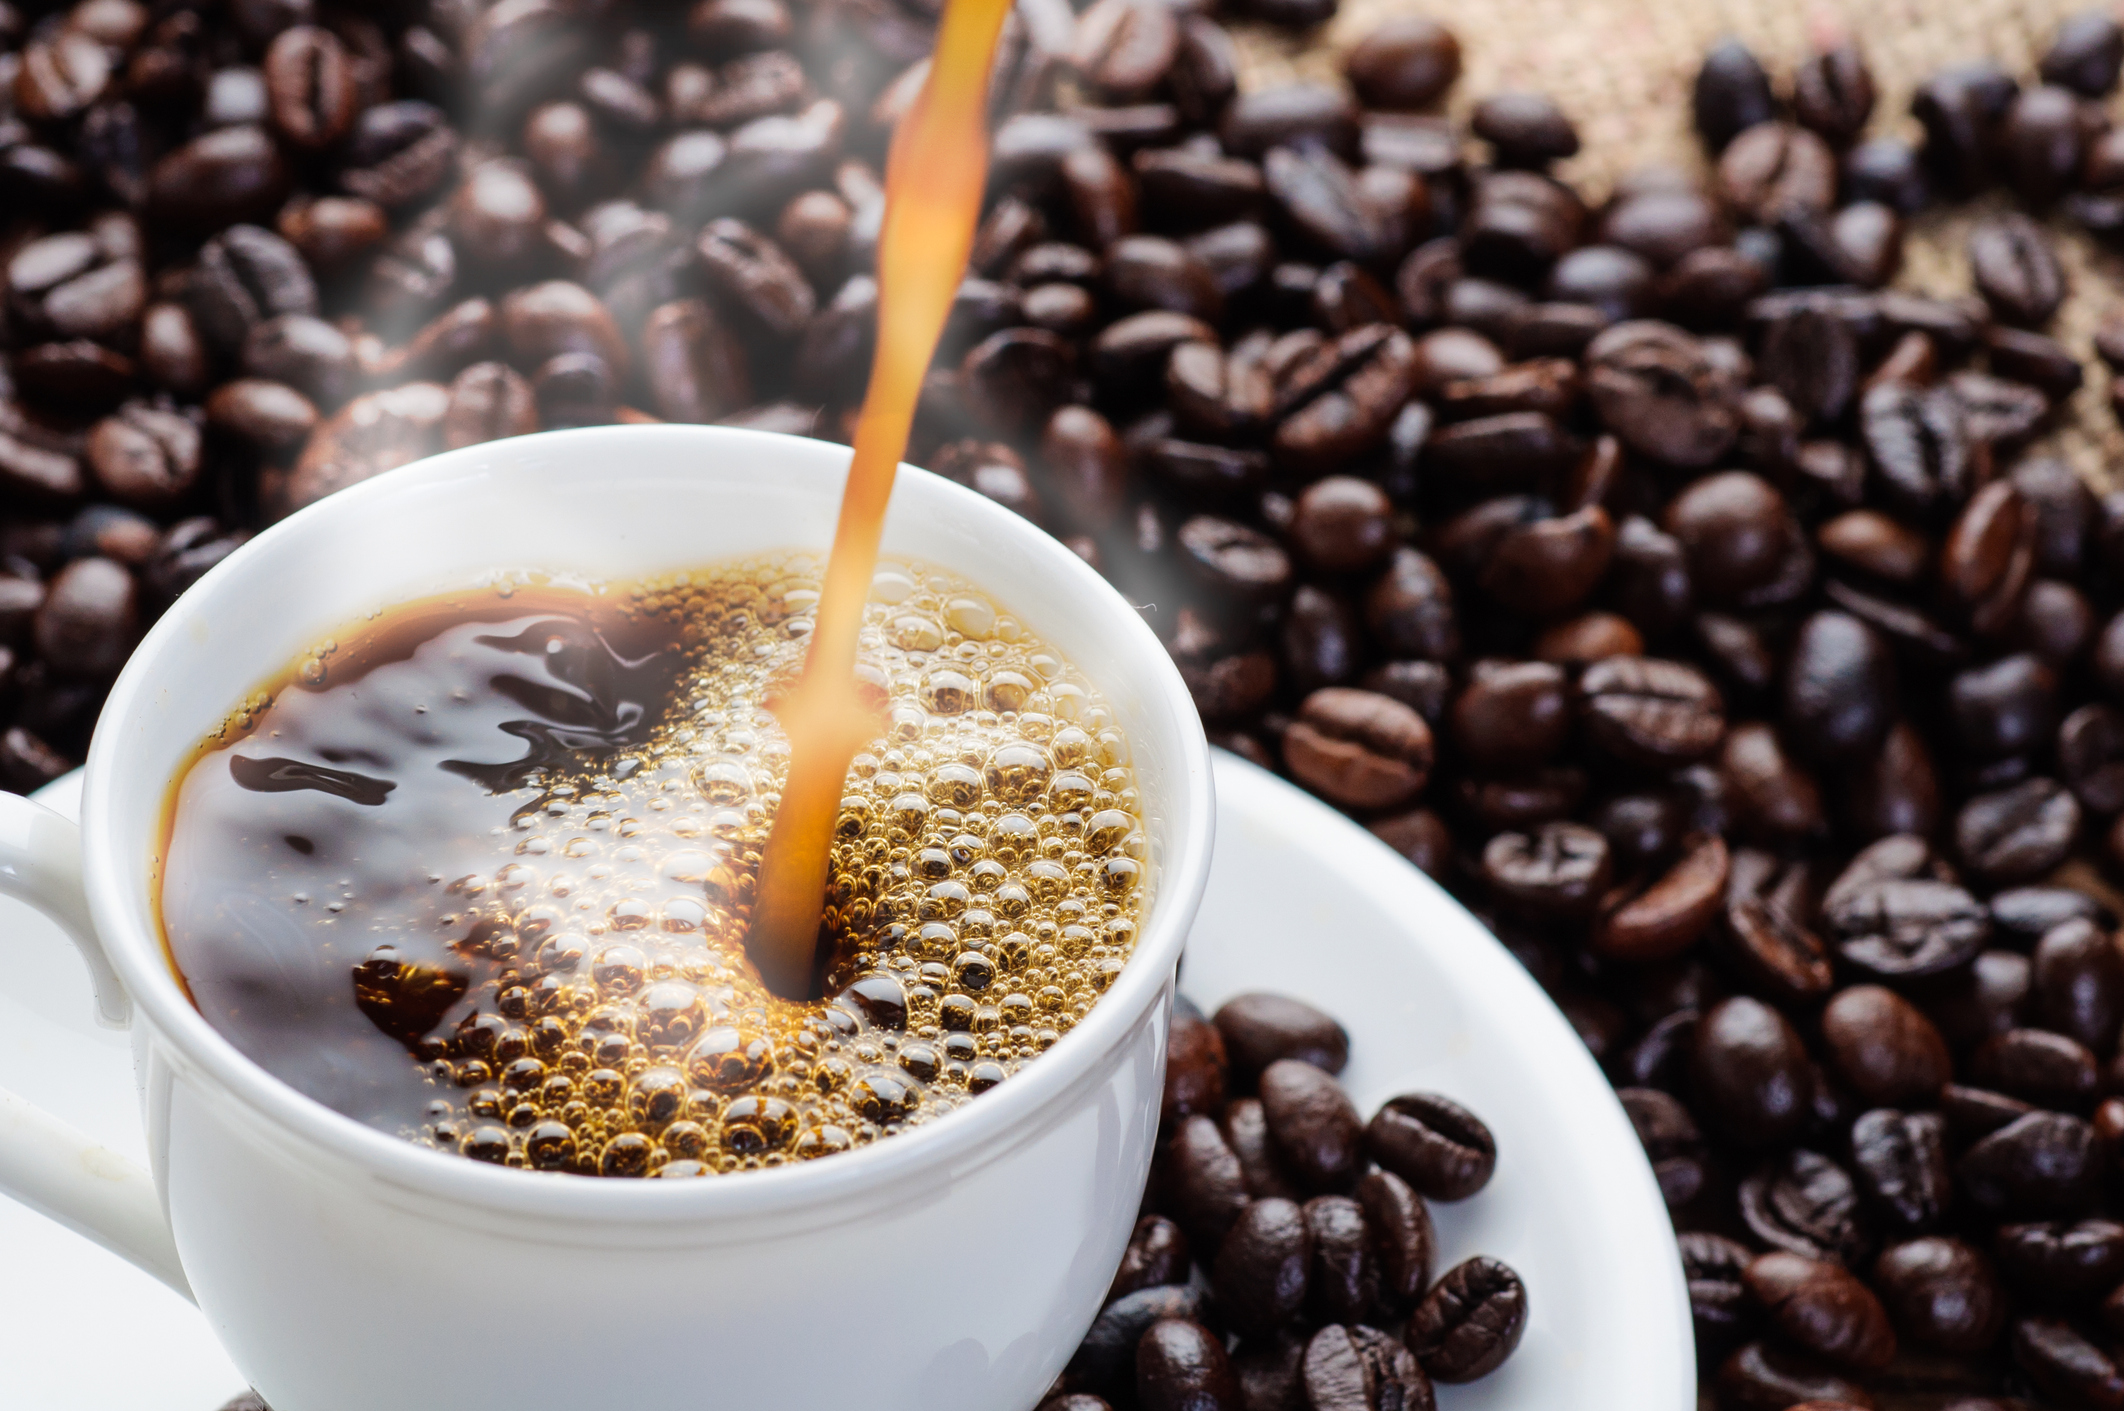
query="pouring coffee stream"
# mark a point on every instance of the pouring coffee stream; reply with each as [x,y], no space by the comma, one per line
[935,176]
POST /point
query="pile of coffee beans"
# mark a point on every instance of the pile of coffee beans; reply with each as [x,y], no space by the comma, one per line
[1285,1259]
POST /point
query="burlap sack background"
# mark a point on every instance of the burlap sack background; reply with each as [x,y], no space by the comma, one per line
[1623,68]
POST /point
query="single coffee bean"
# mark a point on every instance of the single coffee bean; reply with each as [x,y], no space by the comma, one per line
[1822,1308]
[488,401]
[1807,1204]
[1672,1141]
[1157,1254]
[2063,1364]
[1259,1029]
[2016,270]
[1883,1046]
[1205,1185]
[1195,1066]
[1941,1294]
[2037,1066]
[1840,687]
[1262,1266]
[1899,1160]
[1245,1128]
[1342,1284]
[1512,714]
[1760,1377]
[2077,983]
[1181,1366]
[2058,1262]
[1751,1073]
[1469,1322]
[1439,1147]
[145,456]
[1403,63]
[2006,708]
[2017,834]
[2037,1166]
[88,619]
[1833,93]
[1732,94]
[1362,1369]
[1649,712]
[1712,1265]
[1342,525]
[1312,1125]
[1358,749]
[1773,169]
[1560,869]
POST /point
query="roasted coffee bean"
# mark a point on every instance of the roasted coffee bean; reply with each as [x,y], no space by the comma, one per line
[1560,869]
[2019,833]
[1157,1255]
[245,276]
[2063,1364]
[2037,1166]
[488,401]
[1526,129]
[2037,1066]
[1181,1366]
[1884,1047]
[1767,792]
[1898,927]
[2077,983]
[1806,1203]
[2004,709]
[267,415]
[1732,94]
[1262,1266]
[1358,749]
[1839,688]
[1672,1142]
[1649,712]
[1109,1352]
[1469,1322]
[2059,1262]
[1656,389]
[145,456]
[1822,1308]
[1311,1124]
[1320,639]
[2028,914]
[1259,1029]
[1761,1377]
[1404,63]
[1712,1265]
[1195,1066]
[1437,1146]
[1833,93]
[1245,1128]
[1751,1073]
[1772,170]
[1672,912]
[88,619]
[311,89]
[1512,714]
[1205,1186]
[369,435]
[1362,1369]
[1919,444]
[694,364]
[2016,270]
[1342,525]
[1899,1159]
[1941,1294]
[219,178]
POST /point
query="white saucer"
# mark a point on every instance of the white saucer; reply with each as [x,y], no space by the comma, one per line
[1300,900]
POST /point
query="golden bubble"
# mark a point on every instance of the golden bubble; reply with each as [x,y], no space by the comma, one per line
[728,1059]
[955,786]
[1069,792]
[1017,772]
[1070,747]
[913,633]
[971,617]
[946,692]
[723,782]
[1104,830]
[1007,690]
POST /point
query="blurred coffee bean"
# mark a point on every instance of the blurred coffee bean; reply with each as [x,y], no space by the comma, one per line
[1750,1071]
[2016,270]
[1403,63]
[1941,1294]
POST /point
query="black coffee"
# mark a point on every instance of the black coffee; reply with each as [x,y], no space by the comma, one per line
[481,875]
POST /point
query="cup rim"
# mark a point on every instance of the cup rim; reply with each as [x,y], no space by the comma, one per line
[968,1133]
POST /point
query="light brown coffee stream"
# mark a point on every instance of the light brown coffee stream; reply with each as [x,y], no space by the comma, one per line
[933,185]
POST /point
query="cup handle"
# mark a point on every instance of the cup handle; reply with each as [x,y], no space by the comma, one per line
[45,1163]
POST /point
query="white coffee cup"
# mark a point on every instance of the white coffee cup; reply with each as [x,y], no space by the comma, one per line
[955,1266]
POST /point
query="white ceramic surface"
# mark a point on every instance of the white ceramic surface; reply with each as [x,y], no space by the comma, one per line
[345,1269]
[1432,1003]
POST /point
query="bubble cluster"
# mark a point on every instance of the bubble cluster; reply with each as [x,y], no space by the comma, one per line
[990,869]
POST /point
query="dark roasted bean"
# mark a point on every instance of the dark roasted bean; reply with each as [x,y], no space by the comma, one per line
[1434,1144]
[1358,749]
[1822,1308]
[1311,1124]
[1469,1322]
[1941,1294]
[1807,1204]
[1751,1073]
[1899,1159]
[1259,1029]
[1181,1366]
[1261,1270]
[1355,1368]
